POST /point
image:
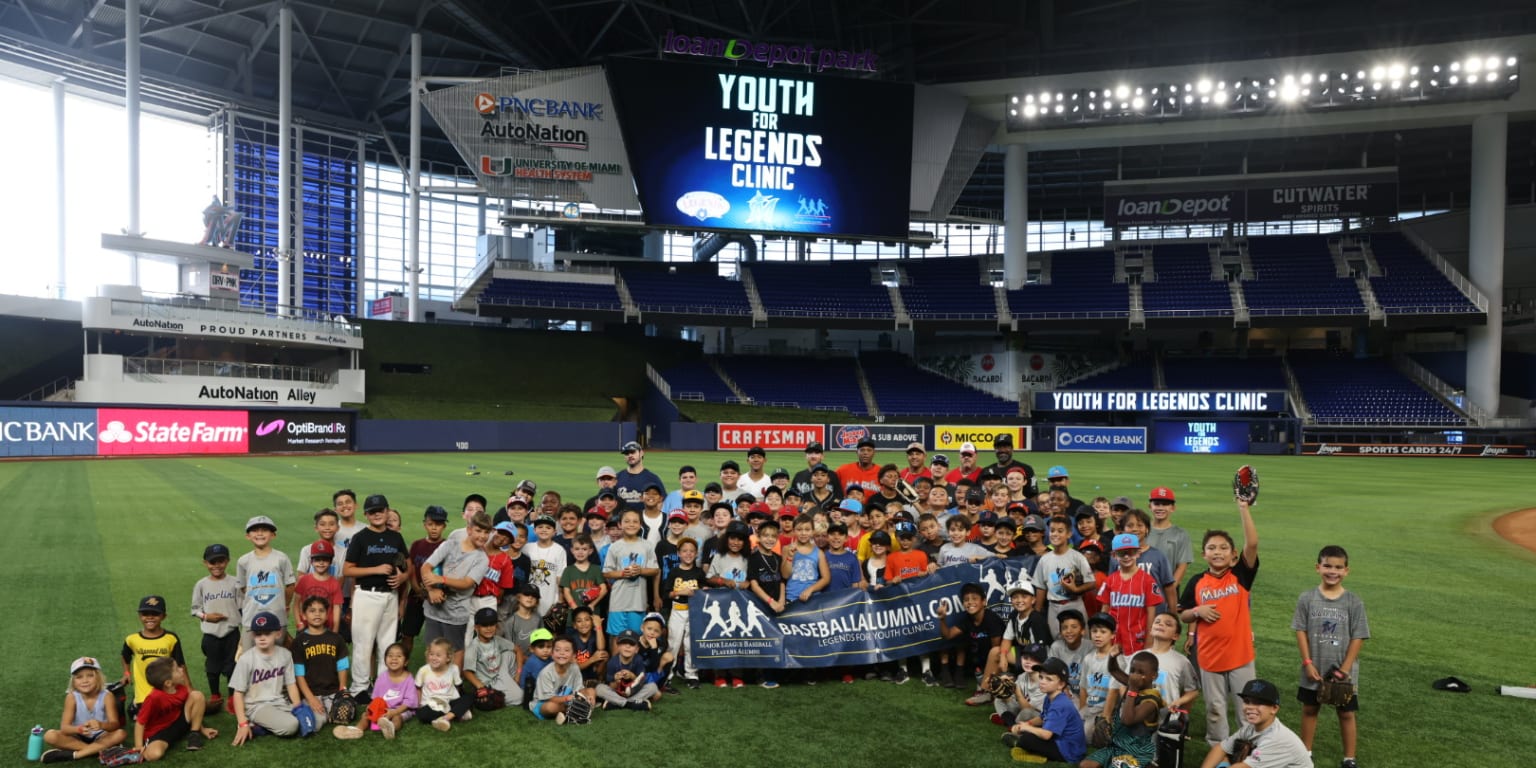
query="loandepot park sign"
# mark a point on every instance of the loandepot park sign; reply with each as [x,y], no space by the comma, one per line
[549,136]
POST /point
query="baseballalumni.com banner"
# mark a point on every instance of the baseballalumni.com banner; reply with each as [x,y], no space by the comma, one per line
[732,628]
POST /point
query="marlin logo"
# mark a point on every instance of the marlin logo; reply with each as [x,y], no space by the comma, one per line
[268,427]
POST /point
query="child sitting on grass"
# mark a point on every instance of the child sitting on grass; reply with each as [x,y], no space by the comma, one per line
[624,685]
[171,711]
[1135,719]
[1059,735]
[90,723]
[439,682]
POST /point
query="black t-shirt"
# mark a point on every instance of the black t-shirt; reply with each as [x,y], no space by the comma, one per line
[766,570]
[314,659]
[369,549]
[680,576]
[1029,472]
[802,483]
[632,484]
[978,635]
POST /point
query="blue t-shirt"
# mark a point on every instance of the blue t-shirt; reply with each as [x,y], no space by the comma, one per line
[844,569]
[531,669]
[1062,720]
[635,665]
[631,485]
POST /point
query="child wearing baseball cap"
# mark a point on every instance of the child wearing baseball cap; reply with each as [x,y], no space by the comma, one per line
[319,582]
[265,683]
[1058,736]
[151,642]
[215,605]
[264,576]
[90,724]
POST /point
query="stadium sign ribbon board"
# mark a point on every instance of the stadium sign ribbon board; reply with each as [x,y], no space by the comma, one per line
[47,432]
[732,628]
[772,437]
[301,431]
[141,431]
[1351,194]
[1201,436]
[717,146]
[949,437]
[1085,439]
[1464,450]
[1194,401]
[846,437]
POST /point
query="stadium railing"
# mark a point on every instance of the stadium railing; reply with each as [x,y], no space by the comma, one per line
[157,366]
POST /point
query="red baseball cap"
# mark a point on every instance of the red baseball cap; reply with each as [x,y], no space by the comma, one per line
[322,548]
[1161,493]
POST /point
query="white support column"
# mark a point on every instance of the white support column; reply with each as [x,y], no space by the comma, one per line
[131,107]
[285,251]
[60,208]
[1015,215]
[413,179]
[360,261]
[1485,256]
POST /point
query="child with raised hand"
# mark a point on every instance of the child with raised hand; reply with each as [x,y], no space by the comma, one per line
[1331,628]
[560,694]
[266,688]
[439,682]
[395,698]
[624,683]
[216,606]
[729,571]
[1059,736]
[490,664]
[1135,720]
[320,659]
[170,712]
[89,724]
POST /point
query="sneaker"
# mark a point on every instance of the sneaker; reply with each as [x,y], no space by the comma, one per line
[667,688]
[693,683]
[1010,739]
[605,705]
[468,716]
[639,706]
[871,675]
[720,682]
[979,698]
[362,699]
[195,741]
[886,677]
[770,684]
[1348,762]
[559,718]
[1020,755]
[901,678]
[737,683]
[59,756]
[215,703]
[947,677]
[929,680]
[347,732]
[442,724]
[997,718]
[848,679]
[387,727]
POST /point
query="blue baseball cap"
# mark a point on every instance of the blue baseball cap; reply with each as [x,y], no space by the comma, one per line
[1126,541]
[1056,471]
[266,621]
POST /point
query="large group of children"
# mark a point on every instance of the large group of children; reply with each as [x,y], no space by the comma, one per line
[564,609]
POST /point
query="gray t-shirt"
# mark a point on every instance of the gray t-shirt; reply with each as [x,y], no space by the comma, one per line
[949,554]
[552,683]
[217,596]
[1052,567]
[262,581]
[456,564]
[628,594]
[517,629]
[1072,657]
[1275,747]
[1173,542]
[1096,680]
[489,661]
[263,677]
[1330,626]
[728,567]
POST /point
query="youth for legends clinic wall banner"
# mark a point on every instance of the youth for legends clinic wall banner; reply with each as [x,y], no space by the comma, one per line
[732,628]
[771,150]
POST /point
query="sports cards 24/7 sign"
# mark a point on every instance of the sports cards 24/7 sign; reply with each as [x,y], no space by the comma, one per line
[772,437]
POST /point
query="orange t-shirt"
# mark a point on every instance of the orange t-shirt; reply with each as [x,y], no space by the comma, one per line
[1227,643]
[853,473]
[906,565]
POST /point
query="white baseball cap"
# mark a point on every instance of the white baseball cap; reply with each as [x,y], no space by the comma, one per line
[967,448]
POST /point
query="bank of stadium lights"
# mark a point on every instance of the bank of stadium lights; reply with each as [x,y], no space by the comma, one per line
[1379,84]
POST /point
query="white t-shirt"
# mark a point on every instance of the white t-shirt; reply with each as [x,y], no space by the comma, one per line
[437,689]
[755,487]
[545,564]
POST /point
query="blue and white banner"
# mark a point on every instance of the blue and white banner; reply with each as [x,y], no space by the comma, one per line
[733,629]
[1102,439]
[44,431]
[1202,436]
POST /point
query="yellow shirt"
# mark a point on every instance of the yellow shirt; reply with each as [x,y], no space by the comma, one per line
[139,651]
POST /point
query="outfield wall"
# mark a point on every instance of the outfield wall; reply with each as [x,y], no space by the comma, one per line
[413,435]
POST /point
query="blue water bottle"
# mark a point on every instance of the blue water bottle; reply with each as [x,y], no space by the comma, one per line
[35,744]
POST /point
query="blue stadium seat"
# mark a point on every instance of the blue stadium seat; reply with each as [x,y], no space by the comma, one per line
[1295,275]
[901,387]
[685,292]
[1082,286]
[822,289]
[1184,287]
[552,294]
[1342,390]
[1409,283]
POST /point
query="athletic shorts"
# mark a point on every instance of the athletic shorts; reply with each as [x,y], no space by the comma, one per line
[618,621]
[410,625]
[1308,696]
[171,733]
[537,708]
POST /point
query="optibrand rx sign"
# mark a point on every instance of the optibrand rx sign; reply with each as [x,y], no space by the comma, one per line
[301,431]
[47,432]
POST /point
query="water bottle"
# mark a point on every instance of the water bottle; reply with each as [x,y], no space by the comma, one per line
[35,744]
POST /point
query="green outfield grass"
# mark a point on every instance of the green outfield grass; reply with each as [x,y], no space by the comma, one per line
[1445,596]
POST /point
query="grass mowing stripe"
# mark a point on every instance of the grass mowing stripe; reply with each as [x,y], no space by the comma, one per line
[1441,589]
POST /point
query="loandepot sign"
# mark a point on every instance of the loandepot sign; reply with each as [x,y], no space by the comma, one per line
[550,136]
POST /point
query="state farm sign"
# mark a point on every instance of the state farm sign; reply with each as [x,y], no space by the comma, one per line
[772,437]
[137,431]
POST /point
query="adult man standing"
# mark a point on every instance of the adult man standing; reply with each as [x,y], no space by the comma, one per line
[967,469]
[863,471]
[802,479]
[1002,445]
[1168,538]
[917,460]
[635,478]
[606,480]
[756,481]
[371,562]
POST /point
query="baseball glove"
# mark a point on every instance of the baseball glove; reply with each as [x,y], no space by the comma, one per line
[579,711]
[487,699]
[1098,738]
[555,621]
[343,710]
[1335,692]
[1001,686]
[1245,484]
[1241,748]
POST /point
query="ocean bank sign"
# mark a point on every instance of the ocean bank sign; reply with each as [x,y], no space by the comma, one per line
[1102,439]
[47,432]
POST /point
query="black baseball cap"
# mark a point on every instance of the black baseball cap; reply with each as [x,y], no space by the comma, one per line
[821,468]
[152,604]
[778,473]
[1262,691]
[729,464]
[880,537]
[628,636]
[655,486]
[865,442]
[975,496]
[814,447]
[1055,668]
[214,552]
[486,617]
[756,450]
[436,514]
[606,492]
[1002,440]
[375,502]
[1106,621]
